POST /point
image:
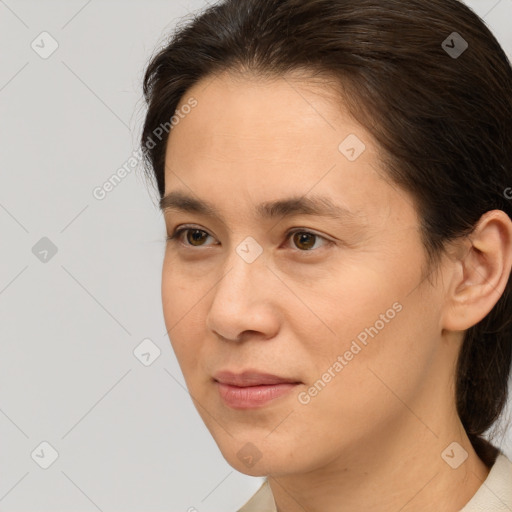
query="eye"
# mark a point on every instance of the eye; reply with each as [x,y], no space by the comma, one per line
[194,236]
[305,240]
[302,239]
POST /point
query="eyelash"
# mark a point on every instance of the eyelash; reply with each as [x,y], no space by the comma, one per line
[177,233]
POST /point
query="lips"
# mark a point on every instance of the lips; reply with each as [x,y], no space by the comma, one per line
[252,389]
[251,378]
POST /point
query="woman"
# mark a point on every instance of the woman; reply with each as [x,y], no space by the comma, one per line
[336,282]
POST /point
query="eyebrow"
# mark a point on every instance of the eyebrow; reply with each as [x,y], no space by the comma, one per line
[298,205]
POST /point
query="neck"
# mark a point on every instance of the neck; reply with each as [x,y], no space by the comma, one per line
[406,472]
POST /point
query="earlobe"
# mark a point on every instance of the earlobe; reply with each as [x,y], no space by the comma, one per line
[481,274]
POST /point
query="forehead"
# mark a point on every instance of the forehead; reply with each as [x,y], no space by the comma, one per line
[283,126]
[259,103]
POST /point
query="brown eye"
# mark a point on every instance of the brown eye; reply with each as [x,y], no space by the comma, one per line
[304,240]
[190,237]
[196,236]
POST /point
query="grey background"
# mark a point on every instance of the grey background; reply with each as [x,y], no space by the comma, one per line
[127,435]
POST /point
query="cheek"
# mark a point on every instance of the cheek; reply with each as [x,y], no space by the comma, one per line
[183,315]
[352,306]
[383,364]
[381,337]
[181,289]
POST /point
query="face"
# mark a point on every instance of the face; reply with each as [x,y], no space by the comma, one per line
[330,301]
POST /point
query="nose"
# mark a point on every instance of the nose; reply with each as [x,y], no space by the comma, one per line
[245,301]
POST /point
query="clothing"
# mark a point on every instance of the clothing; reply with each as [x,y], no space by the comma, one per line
[494,495]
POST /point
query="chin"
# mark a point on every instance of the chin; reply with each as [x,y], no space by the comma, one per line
[257,458]
[262,468]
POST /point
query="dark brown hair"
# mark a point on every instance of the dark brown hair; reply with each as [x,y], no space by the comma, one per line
[442,118]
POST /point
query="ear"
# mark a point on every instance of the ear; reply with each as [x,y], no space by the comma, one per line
[480,273]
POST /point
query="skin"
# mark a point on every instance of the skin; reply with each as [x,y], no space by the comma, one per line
[373,437]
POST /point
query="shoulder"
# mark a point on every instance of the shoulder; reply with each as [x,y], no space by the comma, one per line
[495,493]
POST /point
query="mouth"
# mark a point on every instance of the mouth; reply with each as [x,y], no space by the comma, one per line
[252,389]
